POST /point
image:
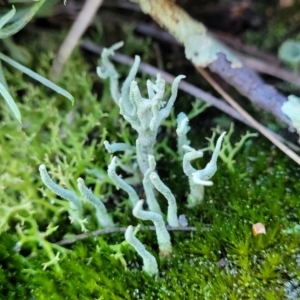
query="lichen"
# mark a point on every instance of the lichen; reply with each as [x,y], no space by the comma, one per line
[199,46]
[221,260]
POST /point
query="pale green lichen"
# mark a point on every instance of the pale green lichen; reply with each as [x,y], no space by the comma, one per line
[149,262]
[200,47]
[289,52]
[103,218]
[172,206]
[163,236]
[114,147]
[203,176]
[120,182]
[200,178]
[144,115]
[291,108]
[148,188]
[75,211]
[107,70]
[172,217]
[182,129]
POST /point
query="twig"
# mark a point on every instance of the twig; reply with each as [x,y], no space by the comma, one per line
[156,32]
[269,66]
[78,28]
[86,235]
[249,118]
[273,70]
[184,86]
[158,55]
[249,84]
[236,44]
[202,49]
[123,5]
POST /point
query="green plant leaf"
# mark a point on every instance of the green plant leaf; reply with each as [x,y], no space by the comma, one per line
[18,25]
[37,77]
[2,77]
[17,52]
[10,101]
[7,17]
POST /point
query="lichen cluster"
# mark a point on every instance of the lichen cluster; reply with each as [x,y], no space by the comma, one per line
[221,260]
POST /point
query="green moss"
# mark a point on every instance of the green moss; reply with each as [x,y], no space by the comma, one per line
[224,262]
[279,25]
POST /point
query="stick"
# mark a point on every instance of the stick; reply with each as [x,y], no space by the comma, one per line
[249,118]
[78,28]
[201,48]
[249,84]
[258,65]
[273,70]
[86,235]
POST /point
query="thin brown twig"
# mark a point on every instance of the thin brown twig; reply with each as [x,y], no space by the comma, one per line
[123,5]
[267,68]
[184,86]
[248,117]
[96,233]
[258,65]
[236,44]
[78,28]
[193,35]
[158,55]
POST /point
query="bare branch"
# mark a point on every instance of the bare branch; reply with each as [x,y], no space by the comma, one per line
[96,233]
